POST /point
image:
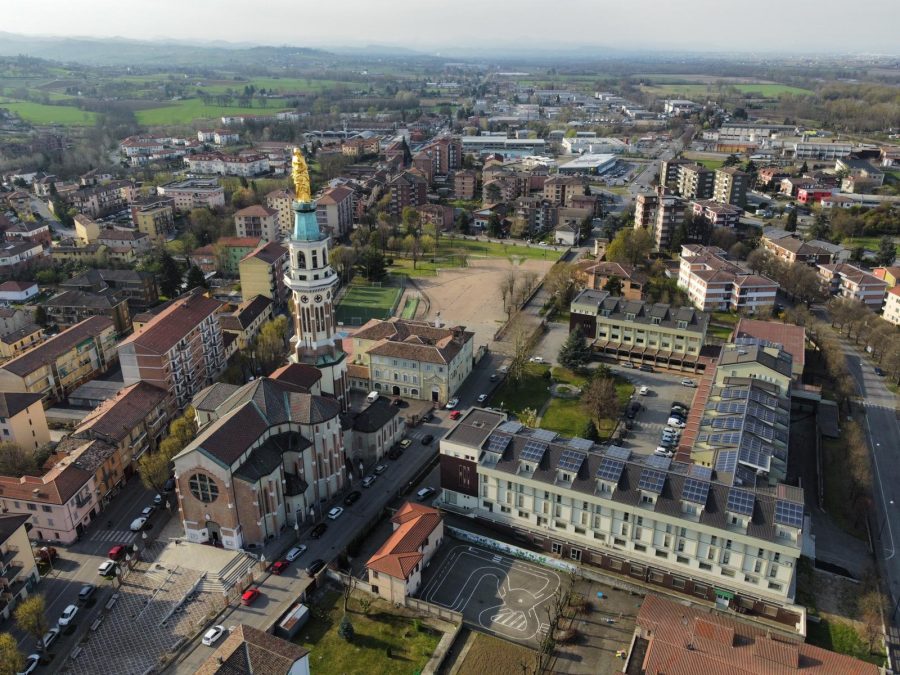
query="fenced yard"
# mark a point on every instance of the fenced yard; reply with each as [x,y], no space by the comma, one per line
[364,301]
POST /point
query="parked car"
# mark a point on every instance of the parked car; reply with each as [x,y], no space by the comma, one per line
[372,396]
[455,414]
[249,596]
[405,443]
[31,662]
[138,524]
[107,568]
[148,511]
[643,391]
[646,368]
[879,372]
[318,530]
[315,567]
[395,452]
[663,452]
[279,566]
[424,493]
[336,512]
[452,403]
[295,553]
[628,364]
[352,498]
[158,500]
[86,592]
[50,637]
[537,359]
[672,431]
[117,552]
[426,440]
[494,377]
[47,554]
[169,486]
[68,615]
[368,480]
[688,383]
[379,469]
[212,636]
[676,422]
[503,370]
[633,409]
[482,398]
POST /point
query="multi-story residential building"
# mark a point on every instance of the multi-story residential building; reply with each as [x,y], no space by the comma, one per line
[257,222]
[180,350]
[396,568]
[631,279]
[14,318]
[423,164]
[851,282]
[361,147]
[14,342]
[155,216]
[14,257]
[269,457]
[559,190]
[531,216]
[792,249]
[17,292]
[445,154]
[669,524]
[334,211]
[892,306]
[716,214]
[18,568]
[86,229]
[225,255]
[101,200]
[465,184]
[29,231]
[139,288]
[370,433]
[71,307]
[281,201]
[641,332]
[412,359]
[245,321]
[695,181]
[247,164]
[730,186]
[890,275]
[859,175]
[407,189]
[439,215]
[68,250]
[784,336]
[262,273]
[714,283]
[22,420]
[660,212]
[194,193]
[668,172]
[125,246]
[57,366]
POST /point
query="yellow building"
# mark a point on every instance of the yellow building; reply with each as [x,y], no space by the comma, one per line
[20,340]
[18,568]
[86,230]
[76,253]
[262,273]
[155,217]
[22,421]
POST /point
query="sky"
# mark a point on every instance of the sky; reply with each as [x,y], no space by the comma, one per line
[821,26]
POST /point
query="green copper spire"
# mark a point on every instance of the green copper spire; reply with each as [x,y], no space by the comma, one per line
[306,227]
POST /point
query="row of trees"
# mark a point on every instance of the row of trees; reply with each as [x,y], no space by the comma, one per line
[155,467]
[798,279]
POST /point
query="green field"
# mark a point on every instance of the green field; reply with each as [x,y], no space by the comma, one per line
[766,90]
[185,112]
[410,307]
[362,303]
[869,243]
[711,163]
[496,250]
[425,266]
[38,113]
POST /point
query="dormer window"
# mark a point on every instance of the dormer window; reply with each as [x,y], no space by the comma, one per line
[655,320]
[682,325]
[629,316]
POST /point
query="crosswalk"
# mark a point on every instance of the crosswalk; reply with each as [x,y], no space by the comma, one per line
[510,618]
[417,434]
[117,536]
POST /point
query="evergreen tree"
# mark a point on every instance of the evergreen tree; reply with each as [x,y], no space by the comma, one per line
[169,275]
[887,252]
[804,168]
[613,286]
[345,629]
[40,316]
[586,229]
[371,264]
[791,223]
[495,227]
[575,352]
[196,278]
[407,153]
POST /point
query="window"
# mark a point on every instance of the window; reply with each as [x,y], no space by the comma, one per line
[556,548]
[705,566]
[678,582]
[640,547]
[681,559]
[46,509]
[203,488]
[774,587]
[575,554]
[32,507]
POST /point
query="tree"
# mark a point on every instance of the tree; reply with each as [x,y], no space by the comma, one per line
[520,356]
[560,283]
[600,399]
[196,278]
[613,286]
[169,275]
[804,168]
[371,264]
[345,629]
[858,253]
[184,427]
[821,228]
[462,223]
[342,259]
[15,460]
[586,228]
[495,226]
[492,193]
[631,246]
[410,219]
[790,223]
[11,659]
[575,352]
[413,247]
[887,251]
[31,617]
[528,417]
[871,610]
[270,343]
[40,316]
[154,469]
[732,160]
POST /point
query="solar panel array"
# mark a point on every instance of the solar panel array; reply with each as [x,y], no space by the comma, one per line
[726,461]
[571,460]
[727,422]
[734,392]
[658,462]
[652,480]
[700,471]
[756,427]
[581,443]
[544,434]
[498,442]
[618,452]
[788,513]
[695,491]
[740,501]
[755,458]
[610,469]
[511,427]
[533,451]
[763,413]
[764,398]
[727,438]
[731,407]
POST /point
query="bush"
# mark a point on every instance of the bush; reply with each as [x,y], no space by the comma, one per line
[345,630]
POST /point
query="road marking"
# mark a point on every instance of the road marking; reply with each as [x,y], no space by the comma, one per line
[121,536]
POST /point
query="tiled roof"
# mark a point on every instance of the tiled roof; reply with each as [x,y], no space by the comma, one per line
[116,418]
[248,651]
[12,404]
[791,338]
[399,555]
[268,253]
[238,242]
[257,210]
[300,375]
[171,325]
[335,195]
[85,299]
[245,314]
[213,396]
[17,286]
[52,349]
[414,340]
[374,416]
[9,524]
[57,486]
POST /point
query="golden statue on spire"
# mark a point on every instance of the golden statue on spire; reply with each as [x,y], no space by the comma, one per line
[300,176]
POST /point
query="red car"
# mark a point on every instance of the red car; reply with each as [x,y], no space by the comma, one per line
[279,567]
[249,596]
[455,414]
[116,552]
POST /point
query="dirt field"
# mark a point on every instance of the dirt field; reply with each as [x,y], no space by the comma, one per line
[470,296]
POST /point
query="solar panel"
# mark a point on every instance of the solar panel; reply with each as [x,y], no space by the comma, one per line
[731,407]
[652,480]
[581,443]
[544,435]
[511,427]
[533,451]
[571,460]
[740,501]
[755,458]
[700,471]
[618,452]
[733,392]
[727,422]
[760,429]
[727,438]
[726,461]
[658,462]
[610,469]
[762,397]
[744,476]
[695,491]
[788,513]
[498,442]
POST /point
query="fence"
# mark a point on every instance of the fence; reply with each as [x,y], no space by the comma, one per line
[509,549]
[434,610]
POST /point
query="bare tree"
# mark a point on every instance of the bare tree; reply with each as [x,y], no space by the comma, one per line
[600,399]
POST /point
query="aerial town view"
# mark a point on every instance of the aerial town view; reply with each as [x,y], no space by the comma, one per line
[380,338]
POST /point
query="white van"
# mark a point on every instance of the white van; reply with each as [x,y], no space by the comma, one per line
[372,397]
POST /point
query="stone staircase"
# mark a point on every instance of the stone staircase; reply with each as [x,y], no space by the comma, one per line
[222,581]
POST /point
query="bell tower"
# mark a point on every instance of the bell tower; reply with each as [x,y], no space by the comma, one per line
[313,284]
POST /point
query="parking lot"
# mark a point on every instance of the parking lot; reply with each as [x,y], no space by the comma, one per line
[665,389]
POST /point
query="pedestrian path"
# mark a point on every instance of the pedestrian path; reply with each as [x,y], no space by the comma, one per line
[117,536]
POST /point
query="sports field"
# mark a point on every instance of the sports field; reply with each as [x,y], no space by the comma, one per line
[362,303]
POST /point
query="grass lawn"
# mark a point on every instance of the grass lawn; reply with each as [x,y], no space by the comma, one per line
[565,416]
[494,656]
[384,643]
[711,163]
[767,90]
[869,243]
[362,303]
[188,110]
[426,266]
[839,636]
[721,332]
[531,392]
[727,318]
[38,113]
[410,307]
[561,374]
[496,250]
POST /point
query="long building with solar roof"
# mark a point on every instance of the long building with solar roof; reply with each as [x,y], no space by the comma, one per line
[680,526]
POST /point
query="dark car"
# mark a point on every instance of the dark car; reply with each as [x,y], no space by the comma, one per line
[646,368]
[169,486]
[318,530]
[879,372]
[351,499]
[395,452]
[279,566]
[633,409]
[86,592]
[315,567]
[426,440]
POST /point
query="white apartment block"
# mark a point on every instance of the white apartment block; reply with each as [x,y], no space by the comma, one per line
[892,306]
[851,282]
[713,283]
[668,524]
[246,165]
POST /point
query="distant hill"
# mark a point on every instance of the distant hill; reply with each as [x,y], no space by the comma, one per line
[121,52]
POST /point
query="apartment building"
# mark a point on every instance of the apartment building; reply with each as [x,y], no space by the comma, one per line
[559,190]
[101,200]
[446,155]
[17,256]
[22,420]
[891,311]
[334,211]
[663,523]
[413,359]
[695,181]
[792,249]
[18,568]
[730,186]
[180,350]
[138,288]
[225,255]
[35,232]
[281,201]
[124,247]
[641,332]
[849,281]
[257,222]
[246,320]
[262,273]
[716,213]
[71,307]
[14,342]
[669,170]
[714,283]
[360,147]
[155,216]
[407,189]
[860,176]
[660,212]
[86,229]
[59,365]
[246,165]
[439,215]
[194,193]
[632,280]
[465,184]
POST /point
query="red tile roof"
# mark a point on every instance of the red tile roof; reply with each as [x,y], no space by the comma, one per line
[116,418]
[56,346]
[172,324]
[791,338]
[399,555]
[257,210]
